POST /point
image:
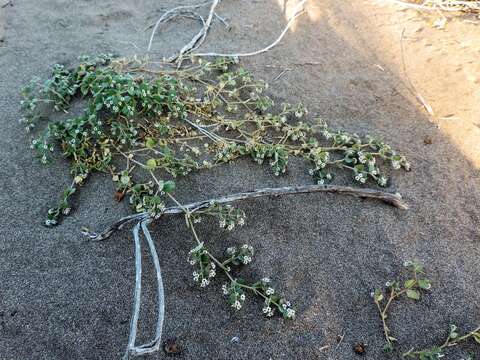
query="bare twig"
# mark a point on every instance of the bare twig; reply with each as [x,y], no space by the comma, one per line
[297,12]
[411,87]
[435,5]
[281,74]
[154,345]
[388,198]
[199,38]
[170,14]
[7,3]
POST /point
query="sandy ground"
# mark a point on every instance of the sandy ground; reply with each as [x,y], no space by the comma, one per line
[64,298]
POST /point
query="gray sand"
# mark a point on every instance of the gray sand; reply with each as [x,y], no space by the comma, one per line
[64,298]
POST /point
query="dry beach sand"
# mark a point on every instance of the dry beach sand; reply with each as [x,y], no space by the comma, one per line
[62,297]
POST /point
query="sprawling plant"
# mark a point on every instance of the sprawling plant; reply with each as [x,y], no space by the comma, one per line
[146,124]
[413,287]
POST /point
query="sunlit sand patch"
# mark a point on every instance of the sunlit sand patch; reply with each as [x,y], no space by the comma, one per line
[288,7]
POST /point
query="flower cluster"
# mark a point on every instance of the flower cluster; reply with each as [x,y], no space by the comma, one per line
[206,268]
[228,216]
[272,301]
[235,293]
[239,256]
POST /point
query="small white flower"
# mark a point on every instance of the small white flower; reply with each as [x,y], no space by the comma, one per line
[242,297]
[382,181]
[266,309]
[224,289]
[270,291]
[192,262]
[246,260]
[241,221]
[396,165]
[204,283]
[237,305]
[266,280]
[211,273]
[230,226]
[290,313]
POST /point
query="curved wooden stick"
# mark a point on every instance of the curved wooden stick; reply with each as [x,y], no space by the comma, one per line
[388,198]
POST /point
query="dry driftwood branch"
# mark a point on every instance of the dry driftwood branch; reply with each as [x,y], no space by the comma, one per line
[143,219]
[170,14]
[388,198]
[199,38]
[297,12]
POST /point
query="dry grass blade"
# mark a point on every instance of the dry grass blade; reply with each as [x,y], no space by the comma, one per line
[443,5]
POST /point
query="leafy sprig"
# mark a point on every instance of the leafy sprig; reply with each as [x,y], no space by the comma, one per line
[411,288]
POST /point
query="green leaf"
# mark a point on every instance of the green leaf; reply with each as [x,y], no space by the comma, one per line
[125,179]
[409,283]
[169,186]
[150,143]
[388,348]
[424,284]
[151,164]
[378,296]
[413,294]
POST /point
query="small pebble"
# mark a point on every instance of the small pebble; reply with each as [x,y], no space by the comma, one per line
[359,348]
[427,140]
[171,346]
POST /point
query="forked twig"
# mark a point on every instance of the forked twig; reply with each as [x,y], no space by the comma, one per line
[297,12]
[199,38]
[143,219]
